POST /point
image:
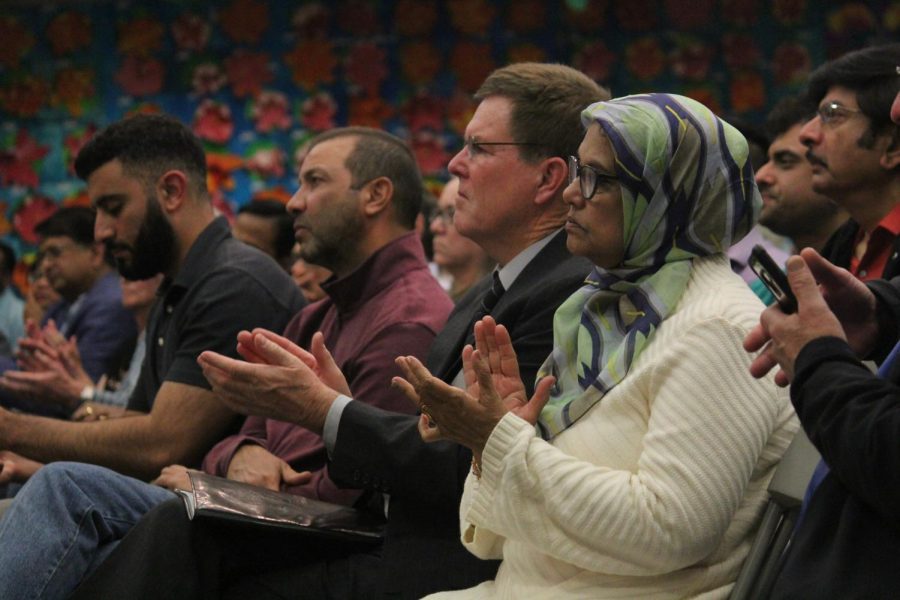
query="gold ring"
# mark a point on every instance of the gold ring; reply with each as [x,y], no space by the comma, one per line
[89,410]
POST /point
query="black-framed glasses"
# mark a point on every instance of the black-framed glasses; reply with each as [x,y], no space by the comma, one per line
[588,177]
[833,113]
[474,146]
[445,215]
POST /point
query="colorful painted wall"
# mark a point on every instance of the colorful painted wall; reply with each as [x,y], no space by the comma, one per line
[255,79]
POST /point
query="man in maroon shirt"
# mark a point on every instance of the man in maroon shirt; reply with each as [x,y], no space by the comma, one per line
[354,213]
[357,223]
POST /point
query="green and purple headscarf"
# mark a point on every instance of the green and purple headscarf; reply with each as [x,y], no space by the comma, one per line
[687,191]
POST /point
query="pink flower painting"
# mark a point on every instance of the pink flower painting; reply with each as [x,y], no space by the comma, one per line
[213,122]
[365,67]
[190,32]
[267,161]
[429,151]
[18,164]
[208,78]
[248,72]
[270,111]
[318,111]
[424,111]
[141,76]
[32,211]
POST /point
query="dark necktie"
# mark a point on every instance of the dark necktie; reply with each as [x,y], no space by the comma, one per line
[490,298]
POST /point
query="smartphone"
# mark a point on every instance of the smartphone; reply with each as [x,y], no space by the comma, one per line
[773,278]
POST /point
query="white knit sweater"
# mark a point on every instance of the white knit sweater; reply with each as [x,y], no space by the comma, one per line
[657,491]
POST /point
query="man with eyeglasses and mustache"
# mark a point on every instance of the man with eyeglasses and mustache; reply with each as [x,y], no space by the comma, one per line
[854,150]
[847,539]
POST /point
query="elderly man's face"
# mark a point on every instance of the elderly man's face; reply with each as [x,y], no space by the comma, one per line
[495,184]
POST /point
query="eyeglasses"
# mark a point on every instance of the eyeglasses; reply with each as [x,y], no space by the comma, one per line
[474,146]
[444,215]
[833,113]
[588,177]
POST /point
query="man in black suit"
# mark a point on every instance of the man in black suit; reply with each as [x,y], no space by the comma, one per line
[512,172]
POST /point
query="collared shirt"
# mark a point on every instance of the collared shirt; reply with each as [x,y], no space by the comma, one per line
[873,251]
[508,275]
[223,287]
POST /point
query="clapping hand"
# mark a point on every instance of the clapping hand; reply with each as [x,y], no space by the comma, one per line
[493,388]
[278,380]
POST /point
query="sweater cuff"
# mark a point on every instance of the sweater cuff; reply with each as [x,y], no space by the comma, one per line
[507,434]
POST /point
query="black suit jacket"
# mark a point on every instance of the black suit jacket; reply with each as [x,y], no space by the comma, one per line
[383,452]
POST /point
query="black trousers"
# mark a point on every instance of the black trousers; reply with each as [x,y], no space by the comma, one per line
[168,556]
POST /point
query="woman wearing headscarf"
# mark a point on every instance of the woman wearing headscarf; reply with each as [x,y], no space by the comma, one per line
[646,473]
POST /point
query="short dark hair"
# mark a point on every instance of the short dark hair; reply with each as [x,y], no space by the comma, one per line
[379,154]
[74,222]
[284,223]
[9,259]
[787,112]
[547,102]
[871,73]
[147,146]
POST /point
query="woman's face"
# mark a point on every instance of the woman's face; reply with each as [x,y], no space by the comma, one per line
[595,226]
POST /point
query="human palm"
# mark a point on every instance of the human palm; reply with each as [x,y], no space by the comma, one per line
[496,355]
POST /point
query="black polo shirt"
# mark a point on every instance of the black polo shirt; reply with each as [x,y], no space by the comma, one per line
[223,287]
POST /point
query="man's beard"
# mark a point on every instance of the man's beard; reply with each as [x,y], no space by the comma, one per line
[153,251]
[335,243]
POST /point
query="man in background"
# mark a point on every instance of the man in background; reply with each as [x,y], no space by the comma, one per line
[791,207]
[457,256]
[267,226]
[90,309]
[12,323]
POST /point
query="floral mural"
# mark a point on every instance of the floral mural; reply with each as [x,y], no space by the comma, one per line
[255,79]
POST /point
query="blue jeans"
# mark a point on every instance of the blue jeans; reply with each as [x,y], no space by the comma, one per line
[63,524]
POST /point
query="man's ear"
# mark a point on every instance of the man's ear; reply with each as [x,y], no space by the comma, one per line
[172,190]
[554,178]
[377,195]
[890,158]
